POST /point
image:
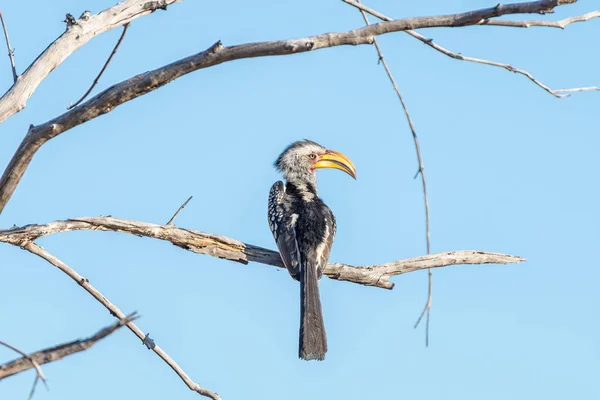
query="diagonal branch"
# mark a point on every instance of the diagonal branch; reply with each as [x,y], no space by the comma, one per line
[11,52]
[57,352]
[115,311]
[112,54]
[234,250]
[78,33]
[141,84]
[429,42]
[179,210]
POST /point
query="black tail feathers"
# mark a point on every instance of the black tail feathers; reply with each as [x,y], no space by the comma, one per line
[313,338]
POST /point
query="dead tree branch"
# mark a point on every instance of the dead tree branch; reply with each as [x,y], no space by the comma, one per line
[11,52]
[234,250]
[31,362]
[581,89]
[179,210]
[115,311]
[141,84]
[549,24]
[112,54]
[82,31]
[58,352]
[429,42]
[76,35]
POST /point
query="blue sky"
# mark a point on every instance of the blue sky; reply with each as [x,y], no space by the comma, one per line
[510,169]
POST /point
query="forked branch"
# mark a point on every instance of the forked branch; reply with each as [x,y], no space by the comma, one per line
[78,32]
[216,54]
[548,24]
[560,93]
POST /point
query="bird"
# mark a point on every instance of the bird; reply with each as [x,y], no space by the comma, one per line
[303,228]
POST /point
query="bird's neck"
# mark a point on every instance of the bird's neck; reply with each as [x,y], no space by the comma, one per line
[306,189]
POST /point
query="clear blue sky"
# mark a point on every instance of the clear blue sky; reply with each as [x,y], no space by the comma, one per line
[510,169]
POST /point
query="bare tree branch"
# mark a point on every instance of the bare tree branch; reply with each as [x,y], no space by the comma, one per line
[31,363]
[429,42]
[11,52]
[57,352]
[234,250]
[549,24]
[217,54]
[112,54]
[35,381]
[222,247]
[115,311]
[581,89]
[421,172]
[78,33]
[179,210]
[141,84]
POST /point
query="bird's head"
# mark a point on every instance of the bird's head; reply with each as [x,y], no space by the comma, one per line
[300,160]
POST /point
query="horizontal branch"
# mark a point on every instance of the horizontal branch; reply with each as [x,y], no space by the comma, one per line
[549,24]
[57,352]
[78,33]
[141,84]
[234,250]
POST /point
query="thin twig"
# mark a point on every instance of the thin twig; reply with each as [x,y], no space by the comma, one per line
[548,24]
[125,27]
[32,392]
[34,364]
[55,353]
[421,171]
[115,311]
[581,89]
[11,52]
[179,210]
[429,42]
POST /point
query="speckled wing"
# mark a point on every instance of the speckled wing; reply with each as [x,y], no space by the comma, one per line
[325,247]
[283,227]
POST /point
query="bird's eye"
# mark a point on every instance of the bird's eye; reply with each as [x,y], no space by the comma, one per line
[312,156]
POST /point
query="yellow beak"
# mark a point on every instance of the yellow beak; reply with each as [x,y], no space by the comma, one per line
[334,159]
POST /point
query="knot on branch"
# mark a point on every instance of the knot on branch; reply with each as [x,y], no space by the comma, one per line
[70,20]
[148,342]
[155,5]
[215,47]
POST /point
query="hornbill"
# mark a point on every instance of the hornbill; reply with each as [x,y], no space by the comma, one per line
[303,228]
